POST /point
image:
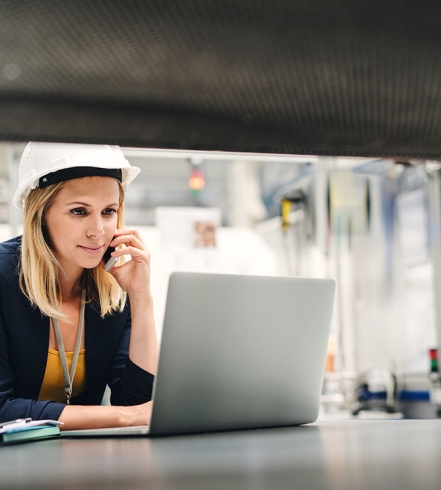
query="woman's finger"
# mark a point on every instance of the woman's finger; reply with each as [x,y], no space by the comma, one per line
[129,232]
[128,240]
[135,252]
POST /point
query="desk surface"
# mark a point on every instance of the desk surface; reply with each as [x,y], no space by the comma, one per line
[339,455]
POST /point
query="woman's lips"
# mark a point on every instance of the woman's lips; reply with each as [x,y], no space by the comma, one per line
[92,250]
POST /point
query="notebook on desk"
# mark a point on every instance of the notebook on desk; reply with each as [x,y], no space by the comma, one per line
[238,352]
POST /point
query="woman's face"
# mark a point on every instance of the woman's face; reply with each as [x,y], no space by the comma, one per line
[82,220]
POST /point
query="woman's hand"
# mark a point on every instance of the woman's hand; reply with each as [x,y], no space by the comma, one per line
[134,275]
[140,414]
[97,416]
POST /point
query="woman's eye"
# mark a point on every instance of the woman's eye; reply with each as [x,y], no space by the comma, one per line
[109,212]
[78,211]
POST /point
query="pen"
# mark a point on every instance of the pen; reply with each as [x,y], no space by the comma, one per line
[17,421]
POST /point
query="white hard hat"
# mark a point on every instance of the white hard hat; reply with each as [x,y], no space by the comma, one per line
[46,163]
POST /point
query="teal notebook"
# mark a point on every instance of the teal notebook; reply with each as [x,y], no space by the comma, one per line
[24,434]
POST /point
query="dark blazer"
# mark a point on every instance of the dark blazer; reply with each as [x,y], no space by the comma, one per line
[24,341]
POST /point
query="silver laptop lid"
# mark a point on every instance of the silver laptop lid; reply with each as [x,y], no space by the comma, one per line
[241,352]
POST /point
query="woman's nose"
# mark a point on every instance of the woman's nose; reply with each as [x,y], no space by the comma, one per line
[95,226]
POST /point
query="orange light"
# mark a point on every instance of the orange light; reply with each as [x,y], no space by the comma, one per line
[196,181]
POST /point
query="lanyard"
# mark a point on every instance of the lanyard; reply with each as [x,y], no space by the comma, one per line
[69,377]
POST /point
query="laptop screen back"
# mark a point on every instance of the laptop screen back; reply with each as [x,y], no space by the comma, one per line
[241,352]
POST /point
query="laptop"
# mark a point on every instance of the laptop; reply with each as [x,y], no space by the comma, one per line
[238,352]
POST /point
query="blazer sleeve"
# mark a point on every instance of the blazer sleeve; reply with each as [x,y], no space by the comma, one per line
[12,407]
[129,384]
[18,390]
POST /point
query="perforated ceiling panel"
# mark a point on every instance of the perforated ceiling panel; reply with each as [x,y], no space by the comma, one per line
[344,77]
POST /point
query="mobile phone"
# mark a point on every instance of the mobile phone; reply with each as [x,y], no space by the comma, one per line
[109,261]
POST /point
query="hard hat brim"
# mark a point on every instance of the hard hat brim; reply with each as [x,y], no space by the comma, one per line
[22,192]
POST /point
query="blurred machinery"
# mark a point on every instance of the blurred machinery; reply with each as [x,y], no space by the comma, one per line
[376,394]
[373,227]
[435,381]
[293,209]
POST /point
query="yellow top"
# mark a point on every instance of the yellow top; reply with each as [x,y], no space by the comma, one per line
[52,387]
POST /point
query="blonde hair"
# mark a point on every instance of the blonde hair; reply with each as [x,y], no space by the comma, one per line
[40,269]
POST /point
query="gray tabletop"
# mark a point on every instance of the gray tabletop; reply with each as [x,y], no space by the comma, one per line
[327,455]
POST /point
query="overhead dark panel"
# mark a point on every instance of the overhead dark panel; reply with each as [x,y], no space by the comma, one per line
[340,77]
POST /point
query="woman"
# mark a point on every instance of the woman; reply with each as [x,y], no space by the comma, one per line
[58,304]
